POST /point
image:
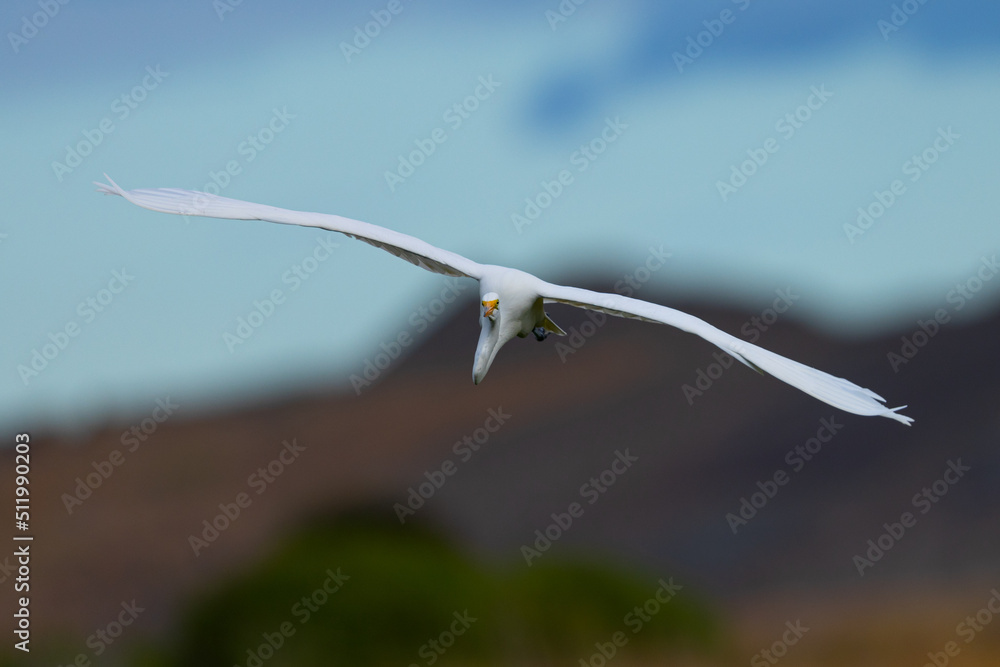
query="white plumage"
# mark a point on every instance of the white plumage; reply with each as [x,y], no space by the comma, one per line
[513,301]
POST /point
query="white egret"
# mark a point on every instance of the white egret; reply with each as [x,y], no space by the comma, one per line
[512,302]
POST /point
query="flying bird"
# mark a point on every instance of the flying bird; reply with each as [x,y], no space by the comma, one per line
[513,302]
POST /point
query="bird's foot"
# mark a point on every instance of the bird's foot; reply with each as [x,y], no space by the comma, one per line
[541,333]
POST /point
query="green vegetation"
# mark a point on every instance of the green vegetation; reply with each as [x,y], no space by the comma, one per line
[363,590]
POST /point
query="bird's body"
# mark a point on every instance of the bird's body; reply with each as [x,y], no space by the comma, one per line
[521,301]
[513,301]
[520,311]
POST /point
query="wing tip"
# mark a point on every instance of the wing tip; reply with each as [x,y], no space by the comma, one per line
[109,188]
[893,413]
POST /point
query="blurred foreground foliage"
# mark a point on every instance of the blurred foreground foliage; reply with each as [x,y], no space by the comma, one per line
[406,596]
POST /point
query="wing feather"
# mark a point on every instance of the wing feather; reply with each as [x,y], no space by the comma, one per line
[189,202]
[838,392]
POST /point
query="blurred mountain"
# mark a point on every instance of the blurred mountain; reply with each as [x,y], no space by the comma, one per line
[602,419]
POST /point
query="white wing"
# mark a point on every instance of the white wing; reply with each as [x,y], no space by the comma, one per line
[838,392]
[189,202]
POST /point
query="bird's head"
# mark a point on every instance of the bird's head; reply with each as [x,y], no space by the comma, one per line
[491,305]
[491,339]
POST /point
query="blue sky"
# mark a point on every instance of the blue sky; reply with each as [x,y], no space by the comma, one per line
[746,156]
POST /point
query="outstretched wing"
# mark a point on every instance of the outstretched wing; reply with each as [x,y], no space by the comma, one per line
[189,202]
[838,392]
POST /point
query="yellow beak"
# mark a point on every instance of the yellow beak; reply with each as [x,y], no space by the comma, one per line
[491,307]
